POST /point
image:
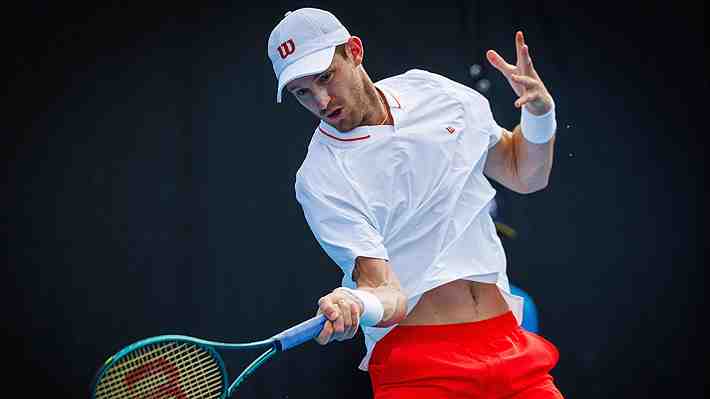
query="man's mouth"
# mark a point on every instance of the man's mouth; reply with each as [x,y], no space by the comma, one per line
[335,114]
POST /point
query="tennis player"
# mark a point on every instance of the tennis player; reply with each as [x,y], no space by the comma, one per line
[395,188]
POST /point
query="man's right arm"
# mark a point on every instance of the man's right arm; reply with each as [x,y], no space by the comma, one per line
[343,309]
[376,276]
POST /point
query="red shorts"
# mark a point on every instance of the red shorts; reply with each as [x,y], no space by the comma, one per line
[493,358]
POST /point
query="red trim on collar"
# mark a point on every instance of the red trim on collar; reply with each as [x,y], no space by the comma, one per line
[339,139]
[397,99]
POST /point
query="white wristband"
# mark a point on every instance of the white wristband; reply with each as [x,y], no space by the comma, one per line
[538,129]
[373,309]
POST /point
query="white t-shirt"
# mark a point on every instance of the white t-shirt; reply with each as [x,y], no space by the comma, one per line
[413,193]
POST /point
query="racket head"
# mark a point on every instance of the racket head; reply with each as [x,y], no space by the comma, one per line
[167,366]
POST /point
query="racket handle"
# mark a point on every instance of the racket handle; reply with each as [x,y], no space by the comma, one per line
[299,333]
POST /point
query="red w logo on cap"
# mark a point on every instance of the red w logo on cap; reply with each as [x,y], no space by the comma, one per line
[286,48]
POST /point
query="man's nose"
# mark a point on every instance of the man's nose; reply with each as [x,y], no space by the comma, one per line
[322,100]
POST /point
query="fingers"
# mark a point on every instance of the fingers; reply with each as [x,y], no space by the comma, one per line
[524,61]
[526,55]
[519,44]
[525,81]
[346,317]
[523,78]
[325,334]
[524,99]
[345,327]
[528,68]
[343,315]
[339,324]
[326,306]
[499,63]
[531,92]
[351,320]
[355,310]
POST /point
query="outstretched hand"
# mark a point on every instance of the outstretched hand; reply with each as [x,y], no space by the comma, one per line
[523,78]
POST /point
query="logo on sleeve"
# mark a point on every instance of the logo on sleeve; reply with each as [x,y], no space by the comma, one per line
[451,130]
[286,48]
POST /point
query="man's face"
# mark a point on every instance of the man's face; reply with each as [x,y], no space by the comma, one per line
[335,96]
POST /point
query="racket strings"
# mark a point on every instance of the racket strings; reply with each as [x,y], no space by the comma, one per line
[166,370]
[174,374]
[197,383]
[115,378]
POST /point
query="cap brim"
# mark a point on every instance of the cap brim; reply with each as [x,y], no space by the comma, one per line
[311,64]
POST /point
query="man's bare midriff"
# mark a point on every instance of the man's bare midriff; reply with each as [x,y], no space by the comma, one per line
[459,301]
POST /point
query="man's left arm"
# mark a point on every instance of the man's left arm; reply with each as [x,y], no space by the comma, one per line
[522,159]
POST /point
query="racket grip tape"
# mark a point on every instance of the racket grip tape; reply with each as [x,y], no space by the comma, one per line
[299,333]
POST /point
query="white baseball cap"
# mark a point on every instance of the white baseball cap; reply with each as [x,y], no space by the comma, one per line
[303,44]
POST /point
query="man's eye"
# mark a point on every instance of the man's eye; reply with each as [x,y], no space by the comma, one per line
[325,76]
[300,92]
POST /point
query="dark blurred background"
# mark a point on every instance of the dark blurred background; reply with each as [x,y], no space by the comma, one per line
[150,185]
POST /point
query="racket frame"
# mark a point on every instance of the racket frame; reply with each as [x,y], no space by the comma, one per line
[283,341]
[208,346]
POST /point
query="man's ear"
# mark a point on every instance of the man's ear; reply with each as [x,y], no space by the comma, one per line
[355,50]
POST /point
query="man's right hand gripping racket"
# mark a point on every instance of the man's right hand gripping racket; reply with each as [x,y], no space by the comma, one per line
[183,367]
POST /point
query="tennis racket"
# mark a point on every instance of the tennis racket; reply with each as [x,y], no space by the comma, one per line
[183,367]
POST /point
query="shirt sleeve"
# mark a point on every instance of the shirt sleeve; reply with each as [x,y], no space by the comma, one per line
[340,227]
[478,109]
[494,130]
